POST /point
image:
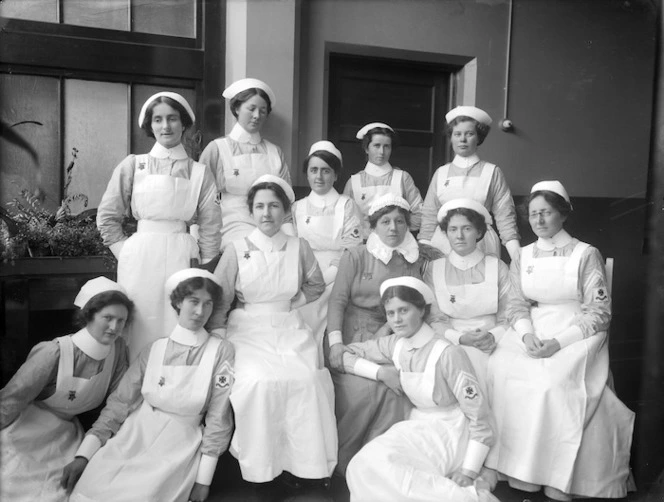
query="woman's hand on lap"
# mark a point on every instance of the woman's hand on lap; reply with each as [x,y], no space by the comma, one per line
[199,493]
[481,339]
[461,479]
[72,473]
[389,375]
[533,344]
[549,347]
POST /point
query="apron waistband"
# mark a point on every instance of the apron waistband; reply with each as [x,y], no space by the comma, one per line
[192,420]
[268,307]
[162,226]
[448,413]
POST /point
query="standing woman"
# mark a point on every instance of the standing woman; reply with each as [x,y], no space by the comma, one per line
[165,191]
[329,222]
[283,401]
[240,158]
[379,177]
[469,177]
[60,379]
[558,424]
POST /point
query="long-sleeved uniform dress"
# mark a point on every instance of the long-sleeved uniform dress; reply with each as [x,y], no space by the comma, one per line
[236,161]
[283,402]
[558,424]
[165,425]
[364,408]
[448,428]
[165,191]
[374,181]
[40,432]
[329,223]
[470,177]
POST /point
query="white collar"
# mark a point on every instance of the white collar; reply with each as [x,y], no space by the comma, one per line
[329,199]
[423,336]
[465,162]
[268,244]
[160,152]
[185,336]
[377,171]
[560,240]
[90,347]
[241,135]
[408,248]
[468,261]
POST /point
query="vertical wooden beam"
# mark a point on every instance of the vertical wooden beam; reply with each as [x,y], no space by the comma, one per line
[210,103]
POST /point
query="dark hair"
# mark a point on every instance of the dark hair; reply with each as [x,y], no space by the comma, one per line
[475,218]
[373,219]
[481,129]
[268,185]
[380,130]
[406,294]
[246,95]
[99,302]
[329,158]
[555,200]
[147,120]
[187,288]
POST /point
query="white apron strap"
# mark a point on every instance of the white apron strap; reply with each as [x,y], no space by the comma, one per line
[443,172]
[491,270]
[356,183]
[155,362]
[434,356]
[274,157]
[484,182]
[395,185]
[226,155]
[206,365]
[441,284]
[397,353]
[526,260]
[339,215]
[292,255]
[301,211]
[66,362]
[572,265]
[196,180]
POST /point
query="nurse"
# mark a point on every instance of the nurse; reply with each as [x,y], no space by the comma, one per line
[469,177]
[558,424]
[329,222]
[162,431]
[165,191]
[379,177]
[240,158]
[438,453]
[60,379]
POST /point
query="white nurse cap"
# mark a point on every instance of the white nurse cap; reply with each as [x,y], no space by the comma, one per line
[182,275]
[271,178]
[249,83]
[326,146]
[389,199]
[362,132]
[466,203]
[95,286]
[409,282]
[174,96]
[554,186]
[469,111]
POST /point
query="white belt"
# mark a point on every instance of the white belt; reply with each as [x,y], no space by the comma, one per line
[192,420]
[268,307]
[162,226]
[448,413]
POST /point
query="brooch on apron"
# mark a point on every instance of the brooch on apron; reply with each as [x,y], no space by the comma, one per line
[308,219]
[162,381]
[247,255]
[72,395]
[529,270]
[452,299]
[141,166]
[367,275]
[447,183]
[364,196]
[236,172]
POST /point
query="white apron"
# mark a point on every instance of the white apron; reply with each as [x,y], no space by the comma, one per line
[558,423]
[240,172]
[470,306]
[412,460]
[160,247]
[154,456]
[471,187]
[365,195]
[44,438]
[323,232]
[283,403]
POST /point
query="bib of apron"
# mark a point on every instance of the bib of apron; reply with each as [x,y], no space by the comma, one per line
[418,386]
[322,232]
[180,390]
[268,277]
[75,395]
[472,187]
[365,195]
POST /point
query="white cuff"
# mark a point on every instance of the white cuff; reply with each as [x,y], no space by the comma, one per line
[330,274]
[497,333]
[453,335]
[476,453]
[117,247]
[569,335]
[206,470]
[524,326]
[334,337]
[366,369]
[288,229]
[89,447]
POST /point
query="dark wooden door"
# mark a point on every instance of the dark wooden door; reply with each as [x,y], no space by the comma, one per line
[411,97]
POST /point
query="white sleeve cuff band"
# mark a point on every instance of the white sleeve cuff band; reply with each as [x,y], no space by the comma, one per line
[569,336]
[366,369]
[335,337]
[476,453]
[523,326]
[206,470]
[89,447]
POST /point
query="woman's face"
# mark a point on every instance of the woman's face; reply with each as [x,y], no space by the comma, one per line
[545,220]
[107,324]
[167,125]
[464,138]
[404,318]
[462,235]
[195,310]
[252,113]
[379,149]
[268,212]
[320,175]
[392,228]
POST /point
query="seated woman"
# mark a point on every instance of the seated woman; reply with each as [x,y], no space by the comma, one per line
[438,453]
[558,424]
[162,431]
[329,222]
[379,177]
[283,402]
[365,409]
[59,380]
